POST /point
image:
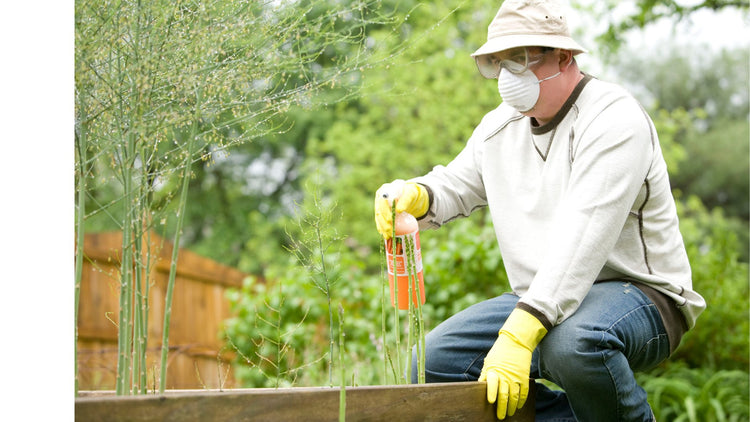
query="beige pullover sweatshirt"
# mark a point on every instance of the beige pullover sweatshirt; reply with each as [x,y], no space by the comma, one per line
[584,198]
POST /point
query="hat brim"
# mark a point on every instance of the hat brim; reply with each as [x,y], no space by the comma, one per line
[527,40]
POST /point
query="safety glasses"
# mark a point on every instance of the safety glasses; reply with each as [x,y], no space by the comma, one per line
[516,60]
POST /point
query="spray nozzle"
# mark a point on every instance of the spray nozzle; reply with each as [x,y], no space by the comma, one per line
[391,191]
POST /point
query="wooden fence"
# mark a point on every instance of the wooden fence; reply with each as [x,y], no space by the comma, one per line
[198,357]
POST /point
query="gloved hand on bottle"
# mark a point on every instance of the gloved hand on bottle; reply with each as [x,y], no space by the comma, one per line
[508,363]
[410,197]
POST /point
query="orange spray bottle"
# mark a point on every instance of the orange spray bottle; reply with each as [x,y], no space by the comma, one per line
[408,262]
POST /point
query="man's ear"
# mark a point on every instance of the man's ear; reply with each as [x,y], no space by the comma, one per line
[565,59]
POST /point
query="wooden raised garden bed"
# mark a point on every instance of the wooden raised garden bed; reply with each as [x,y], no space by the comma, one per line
[416,402]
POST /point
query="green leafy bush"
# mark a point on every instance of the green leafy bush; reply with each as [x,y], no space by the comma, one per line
[293,318]
[270,331]
[678,393]
[720,338]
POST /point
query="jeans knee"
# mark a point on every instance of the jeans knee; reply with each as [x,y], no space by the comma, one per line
[438,357]
[448,362]
[567,352]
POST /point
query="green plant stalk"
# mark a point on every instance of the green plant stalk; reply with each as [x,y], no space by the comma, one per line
[411,248]
[278,341]
[397,322]
[140,376]
[411,277]
[126,266]
[421,344]
[125,122]
[171,282]
[393,368]
[126,276]
[408,258]
[140,310]
[342,367]
[81,139]
[136,310]
[330,309]
[136,207]
[175,249]
[121,329]
[383,314]
[144,319]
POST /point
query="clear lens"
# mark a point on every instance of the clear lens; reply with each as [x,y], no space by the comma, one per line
[514,66]
[515,60]
[487,67]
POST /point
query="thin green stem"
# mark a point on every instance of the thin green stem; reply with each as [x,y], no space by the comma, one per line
[408,260]
[127,135]
[136,309]
[342,367]
[139,306]
[140,311]
[176,245]
[393,368]
[135,206]
[397,322]
[330,309]
[278,340]
[418,317]
[383,314]
[421,342]
[144,317]
[126,275]
[82,146]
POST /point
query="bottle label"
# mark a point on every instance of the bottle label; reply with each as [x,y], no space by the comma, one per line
[404,259]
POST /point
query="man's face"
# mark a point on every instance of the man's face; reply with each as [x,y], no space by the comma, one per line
[535,69]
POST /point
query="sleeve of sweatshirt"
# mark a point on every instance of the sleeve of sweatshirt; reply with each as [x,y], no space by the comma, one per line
[610,161]
[457,189]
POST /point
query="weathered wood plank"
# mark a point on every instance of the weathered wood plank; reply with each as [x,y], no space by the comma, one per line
[425,402]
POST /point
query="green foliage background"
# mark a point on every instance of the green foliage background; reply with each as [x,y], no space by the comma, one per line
[395,96]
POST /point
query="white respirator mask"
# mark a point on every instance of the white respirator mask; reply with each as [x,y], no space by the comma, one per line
[520,90]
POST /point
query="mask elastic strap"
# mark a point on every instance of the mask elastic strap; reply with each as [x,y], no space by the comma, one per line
[556,74]
[548,78]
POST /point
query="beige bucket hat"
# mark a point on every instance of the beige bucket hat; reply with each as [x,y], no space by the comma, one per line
[525,23]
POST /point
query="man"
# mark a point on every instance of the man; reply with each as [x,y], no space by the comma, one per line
[573,175]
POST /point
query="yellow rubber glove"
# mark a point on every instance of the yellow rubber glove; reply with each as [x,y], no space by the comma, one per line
[508,364]
[410,197]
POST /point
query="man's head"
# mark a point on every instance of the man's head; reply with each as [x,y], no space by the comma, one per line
[527,23]
[526,39]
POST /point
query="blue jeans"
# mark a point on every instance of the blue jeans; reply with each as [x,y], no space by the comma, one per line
[591,355]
